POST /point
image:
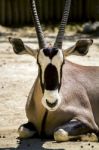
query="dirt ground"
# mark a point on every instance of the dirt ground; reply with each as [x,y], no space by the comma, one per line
[17,74]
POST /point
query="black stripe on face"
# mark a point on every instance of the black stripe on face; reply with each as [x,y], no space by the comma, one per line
[50,52]
[51,81]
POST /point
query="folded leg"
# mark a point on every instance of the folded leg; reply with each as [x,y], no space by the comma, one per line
[74,130]
[27,130]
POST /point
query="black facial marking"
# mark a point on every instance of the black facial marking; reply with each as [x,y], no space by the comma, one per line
[42,84]
[51,105]
[50,52]
[51,81]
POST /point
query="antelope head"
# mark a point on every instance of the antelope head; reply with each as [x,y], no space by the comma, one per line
[50,59]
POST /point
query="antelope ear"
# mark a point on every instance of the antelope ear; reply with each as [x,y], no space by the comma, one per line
[19,47]
[80,48]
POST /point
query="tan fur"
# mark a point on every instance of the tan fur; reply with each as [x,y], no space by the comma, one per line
[79,93]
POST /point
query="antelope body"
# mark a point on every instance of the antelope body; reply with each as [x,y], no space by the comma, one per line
[64,99]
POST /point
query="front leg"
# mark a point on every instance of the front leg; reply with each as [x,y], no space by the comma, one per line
[27,130]
[74,129]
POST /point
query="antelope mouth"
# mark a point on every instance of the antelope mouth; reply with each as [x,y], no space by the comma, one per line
[51,105]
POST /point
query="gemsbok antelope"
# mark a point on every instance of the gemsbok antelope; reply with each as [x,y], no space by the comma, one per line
[64,100]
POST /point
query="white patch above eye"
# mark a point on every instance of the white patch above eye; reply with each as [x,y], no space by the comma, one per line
[57,60]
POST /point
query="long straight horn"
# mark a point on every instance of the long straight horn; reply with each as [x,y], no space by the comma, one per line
[60,35]
[37,25]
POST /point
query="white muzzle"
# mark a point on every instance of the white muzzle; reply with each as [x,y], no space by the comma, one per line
[51,100]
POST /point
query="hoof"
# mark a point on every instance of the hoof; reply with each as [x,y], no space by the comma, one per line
[25,132]
[90,137]
[61,136]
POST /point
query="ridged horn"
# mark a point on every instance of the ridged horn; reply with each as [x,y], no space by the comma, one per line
[60,35]
[37,25]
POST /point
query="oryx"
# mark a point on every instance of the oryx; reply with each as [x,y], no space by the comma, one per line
[64,100]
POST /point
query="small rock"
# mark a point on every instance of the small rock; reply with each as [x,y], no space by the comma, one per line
[92,146]
[4,136]
[89,144]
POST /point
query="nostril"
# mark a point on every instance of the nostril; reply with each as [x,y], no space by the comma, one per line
[51,104]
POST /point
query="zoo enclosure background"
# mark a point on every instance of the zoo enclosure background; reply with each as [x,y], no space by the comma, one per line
[17,12]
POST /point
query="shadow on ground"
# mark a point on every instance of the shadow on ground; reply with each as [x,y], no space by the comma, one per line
[37,144]
[31,144]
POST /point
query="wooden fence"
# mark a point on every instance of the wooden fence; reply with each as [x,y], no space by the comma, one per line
[16,12]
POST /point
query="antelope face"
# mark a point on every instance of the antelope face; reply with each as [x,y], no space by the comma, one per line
[50,62]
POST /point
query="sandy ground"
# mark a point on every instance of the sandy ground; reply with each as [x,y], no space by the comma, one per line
[17,74]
